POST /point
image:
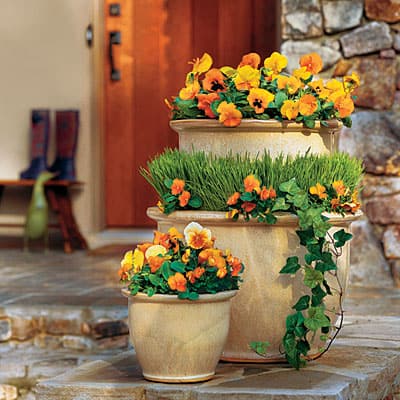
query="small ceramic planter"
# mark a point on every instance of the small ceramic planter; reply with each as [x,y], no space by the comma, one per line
[178,340]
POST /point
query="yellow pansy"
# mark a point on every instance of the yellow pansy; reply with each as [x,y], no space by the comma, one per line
[290,83]
[247,77]
[228,71]
[259,99]
[351,82]
[319,190]
[276,62]
[201,65]
[138,260]
[302,73]
[155,250]
[290,109]
[190,91]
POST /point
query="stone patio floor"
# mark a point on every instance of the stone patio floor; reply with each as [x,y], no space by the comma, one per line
[62,315]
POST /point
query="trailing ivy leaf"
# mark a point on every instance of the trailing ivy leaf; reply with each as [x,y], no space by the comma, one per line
[327,287]
[306,236]
[195,201]
[316,319]
[303,347]
[300,200]
[347,122]
[309,258]
[292,266]
[178,266]
[318,295]
[303,303]
[294,321]
[290,187]
[308,218]
[280,205]
[341,237]
[312,277]
[292,354]
[321,227]
[327,264]
[259,347]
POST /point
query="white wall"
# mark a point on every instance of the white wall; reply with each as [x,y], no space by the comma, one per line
[45,62]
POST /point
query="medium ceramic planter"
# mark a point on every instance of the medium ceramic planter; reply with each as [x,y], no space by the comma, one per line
[179,340]
[266,297]
[253,136]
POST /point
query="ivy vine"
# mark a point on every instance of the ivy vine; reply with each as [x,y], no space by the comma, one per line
[310,319]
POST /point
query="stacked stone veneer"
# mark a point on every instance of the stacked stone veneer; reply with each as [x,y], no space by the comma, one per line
[361,36]
[75,328]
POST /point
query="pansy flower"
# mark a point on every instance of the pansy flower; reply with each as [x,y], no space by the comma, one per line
[308,105]
[196,236]
[319,190]
[229,115]
[247,77]
[312,62]
[204,101]
[259,99]
[252,59]
[290,109]
[214,81]
[275,63]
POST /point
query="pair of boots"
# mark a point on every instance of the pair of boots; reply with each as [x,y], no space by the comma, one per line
[67,126]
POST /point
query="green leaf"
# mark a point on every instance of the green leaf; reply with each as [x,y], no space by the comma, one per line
[309,258]
[312,277]
[316,319]
[270,218]
[248,196]
[327,264]
[280,97]
[166,270]
[321,227]
[178,266]
[302,303]
[259,347]
[309,123]
[327,287]
[290,187]
[168,183]
[306,236]
[150,291]
[280,205]
[341,238]
[308,218]
[193,296]
[154,279]
[292,266]
[300,200]
[195,201]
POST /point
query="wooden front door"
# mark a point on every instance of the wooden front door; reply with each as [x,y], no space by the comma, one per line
[158,38]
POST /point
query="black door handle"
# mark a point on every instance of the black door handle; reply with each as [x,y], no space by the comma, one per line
[115,38]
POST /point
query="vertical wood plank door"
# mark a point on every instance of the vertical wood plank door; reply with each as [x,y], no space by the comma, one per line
[158,38]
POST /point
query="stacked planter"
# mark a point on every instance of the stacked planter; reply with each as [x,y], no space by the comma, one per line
[266,297]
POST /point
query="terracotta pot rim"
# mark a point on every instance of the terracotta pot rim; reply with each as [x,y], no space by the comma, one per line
[219,218]
[249,124]
[173,298]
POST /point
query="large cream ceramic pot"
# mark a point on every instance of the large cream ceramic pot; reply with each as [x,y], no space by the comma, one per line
[254,136]
[178,340]
[266,297]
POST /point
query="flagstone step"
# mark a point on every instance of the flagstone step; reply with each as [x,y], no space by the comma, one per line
[364,364]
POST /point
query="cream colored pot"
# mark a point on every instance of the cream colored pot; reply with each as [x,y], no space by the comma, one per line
[266,297]
[253,136]
[178,340]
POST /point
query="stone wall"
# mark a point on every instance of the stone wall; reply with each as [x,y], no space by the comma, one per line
[361,36]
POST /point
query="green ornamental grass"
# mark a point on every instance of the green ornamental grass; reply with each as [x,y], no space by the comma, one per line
[214,178]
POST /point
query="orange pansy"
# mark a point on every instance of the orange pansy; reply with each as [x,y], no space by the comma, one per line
[266,194]
[335,203]
[161,239]
[251,183]
[221,272]
[248,206]
[177,282]
[177,186]
[229,115]
[339,187]
[195,274]
[308,105]
[235,264]
[312,62]
[184,198]
[290,109]
[217,261]
[289,83]
[214,81]
[252,59]
[319,190]
[155,263]
[231,213]
[233,199]
[204,103]
[123,271]
[144,246]
[344,104]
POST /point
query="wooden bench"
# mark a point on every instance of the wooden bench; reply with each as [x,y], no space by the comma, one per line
[57,193]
